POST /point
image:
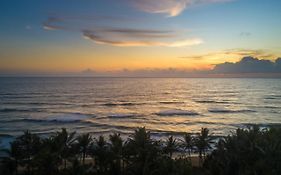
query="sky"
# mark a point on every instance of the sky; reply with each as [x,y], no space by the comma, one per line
[135,35]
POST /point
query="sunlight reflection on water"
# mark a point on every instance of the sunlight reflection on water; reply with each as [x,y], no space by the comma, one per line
[163,105]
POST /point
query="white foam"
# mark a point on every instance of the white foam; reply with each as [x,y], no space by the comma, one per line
[67,117]
[176,112]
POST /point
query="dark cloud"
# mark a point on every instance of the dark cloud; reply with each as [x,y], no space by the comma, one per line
[249,65]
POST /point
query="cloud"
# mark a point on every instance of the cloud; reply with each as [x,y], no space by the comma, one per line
[122,37]
[146,72]
[249,52]
[28,27]
[51,24]
[246,67]
[133,43]
[249,65]
[232,53]
[143,33]
[245,34]
[170,7]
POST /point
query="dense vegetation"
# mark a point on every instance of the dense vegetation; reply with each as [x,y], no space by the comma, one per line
[247,152]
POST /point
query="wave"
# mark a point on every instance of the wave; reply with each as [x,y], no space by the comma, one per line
[222,110]
[20,110]
[265,125]
[37,103]
[271,107]
[6,136]
[74,117]
[121,115]
[171,102]
[121,104]
[211,101]
[272,97]
[62,118]
[16,97]
[176,112]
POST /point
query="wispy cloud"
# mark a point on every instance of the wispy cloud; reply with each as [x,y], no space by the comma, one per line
[245,34]
[169,7]
[133,43]
[51,24]
[142,33]
[123,37]
[233,53]
[250,52]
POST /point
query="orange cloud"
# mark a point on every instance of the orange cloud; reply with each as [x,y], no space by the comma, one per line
[121,43]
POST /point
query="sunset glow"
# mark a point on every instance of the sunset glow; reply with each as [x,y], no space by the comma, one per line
[73,36]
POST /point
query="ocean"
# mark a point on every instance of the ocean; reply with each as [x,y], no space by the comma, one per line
[165,106]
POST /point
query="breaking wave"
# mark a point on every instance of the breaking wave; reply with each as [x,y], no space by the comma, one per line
[176,112]
[223,110]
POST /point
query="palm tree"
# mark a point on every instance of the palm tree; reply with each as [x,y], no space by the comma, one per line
[29,146]
[100,154]
[48,160]
[11,160]
[116,148]
[140,141]
[188,143]
[203,143]
[143,151]
[84,144]
[248,151]
[64,141]
[116,143]
[171,146]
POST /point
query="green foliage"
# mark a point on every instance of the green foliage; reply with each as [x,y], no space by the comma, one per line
[83,145]
[116,154]
[188,143]
[247,152]
[171,146]
[100,153]
[141,152]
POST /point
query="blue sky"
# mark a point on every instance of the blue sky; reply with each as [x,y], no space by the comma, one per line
[135,34]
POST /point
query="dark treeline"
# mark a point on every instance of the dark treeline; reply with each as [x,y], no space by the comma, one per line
[251,151]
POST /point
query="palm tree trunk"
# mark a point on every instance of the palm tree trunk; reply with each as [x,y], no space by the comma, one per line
[84,155]
[200,158]
[64,163]
[123,166]
[189,154]
[28,166]
[16,170]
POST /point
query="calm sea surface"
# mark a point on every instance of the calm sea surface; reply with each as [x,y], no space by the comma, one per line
[163,105]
